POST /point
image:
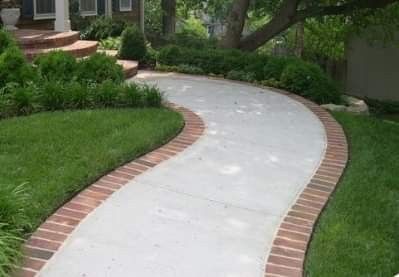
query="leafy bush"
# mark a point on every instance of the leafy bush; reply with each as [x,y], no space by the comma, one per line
[110,43]
[6,40]
[98,68]
[103,27]
[133,46]
[240,76]
[52,96]
[211,61]
[309,81]
[151,96]
[14,67]
[275,67]
[57,65]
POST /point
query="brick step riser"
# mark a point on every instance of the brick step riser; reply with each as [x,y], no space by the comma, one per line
[77,53]
[49,43]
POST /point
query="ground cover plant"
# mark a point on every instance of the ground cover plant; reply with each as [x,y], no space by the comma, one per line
[293,74]
[358,233]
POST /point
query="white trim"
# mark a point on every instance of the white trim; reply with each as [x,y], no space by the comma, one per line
[88,13]
[125,9]
[41,16]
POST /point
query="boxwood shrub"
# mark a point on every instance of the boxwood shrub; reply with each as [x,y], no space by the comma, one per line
[133,45]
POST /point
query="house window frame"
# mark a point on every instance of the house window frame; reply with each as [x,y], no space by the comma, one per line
[41,16]
[126,9]
[88,13]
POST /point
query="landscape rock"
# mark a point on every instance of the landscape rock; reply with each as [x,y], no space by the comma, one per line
[334,107]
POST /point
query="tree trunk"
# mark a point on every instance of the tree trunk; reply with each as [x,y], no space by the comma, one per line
[285,18]
[168,17]
[300,39]
[235,24]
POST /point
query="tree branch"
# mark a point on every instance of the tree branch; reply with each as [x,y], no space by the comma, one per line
[342,9]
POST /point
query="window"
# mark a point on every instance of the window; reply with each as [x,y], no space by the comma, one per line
[88,7]
[43,9]
[125,5]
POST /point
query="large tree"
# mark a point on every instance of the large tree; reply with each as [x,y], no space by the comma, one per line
[168,17]
[286,13]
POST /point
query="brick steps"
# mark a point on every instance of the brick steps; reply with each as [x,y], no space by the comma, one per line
[129,68]
[29,39]
[79,49]
[38,42]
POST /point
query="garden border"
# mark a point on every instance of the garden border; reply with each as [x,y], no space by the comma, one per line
[289,248]
[51,234]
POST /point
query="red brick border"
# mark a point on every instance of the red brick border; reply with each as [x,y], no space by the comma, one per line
[288,251]
[50,236]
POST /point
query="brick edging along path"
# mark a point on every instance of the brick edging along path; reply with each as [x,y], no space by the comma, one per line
[288,251]
[51,235]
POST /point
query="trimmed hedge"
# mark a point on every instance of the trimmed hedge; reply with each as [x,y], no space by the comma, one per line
[300,77]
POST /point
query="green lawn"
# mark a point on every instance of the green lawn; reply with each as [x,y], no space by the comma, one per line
[358,234]
[54,155]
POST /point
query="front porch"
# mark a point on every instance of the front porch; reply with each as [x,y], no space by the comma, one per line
[55,15]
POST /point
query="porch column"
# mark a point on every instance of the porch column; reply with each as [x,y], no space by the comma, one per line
[108,8]
[62,22]
[142,24]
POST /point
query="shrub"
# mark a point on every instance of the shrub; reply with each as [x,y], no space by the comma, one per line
[309,81]
[131,95]
[57,65]
[241,76]
[6,41]
[151,96]
[107,94]
[52,96]
[133,46]
[14,68]
[275,67]
[98,68]
[110,43]
[103,27]
[78,96]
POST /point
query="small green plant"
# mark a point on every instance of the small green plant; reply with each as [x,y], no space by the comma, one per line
[98,68]
[240,76]
[57,65]
[110,43]
[13,222]
[275,67]
[133,45]
[6,41]
[103,27]
[151,96]
[14,67]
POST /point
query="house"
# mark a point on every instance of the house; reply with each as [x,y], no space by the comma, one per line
[54,14]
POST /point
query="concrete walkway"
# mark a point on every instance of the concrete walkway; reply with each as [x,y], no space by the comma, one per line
[212,210]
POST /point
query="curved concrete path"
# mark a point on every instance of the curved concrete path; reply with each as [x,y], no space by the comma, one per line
[212,210]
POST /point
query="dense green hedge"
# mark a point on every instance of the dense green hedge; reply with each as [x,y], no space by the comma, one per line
[293,74]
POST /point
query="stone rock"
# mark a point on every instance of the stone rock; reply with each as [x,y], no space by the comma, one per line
[334,108]
[356,105]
